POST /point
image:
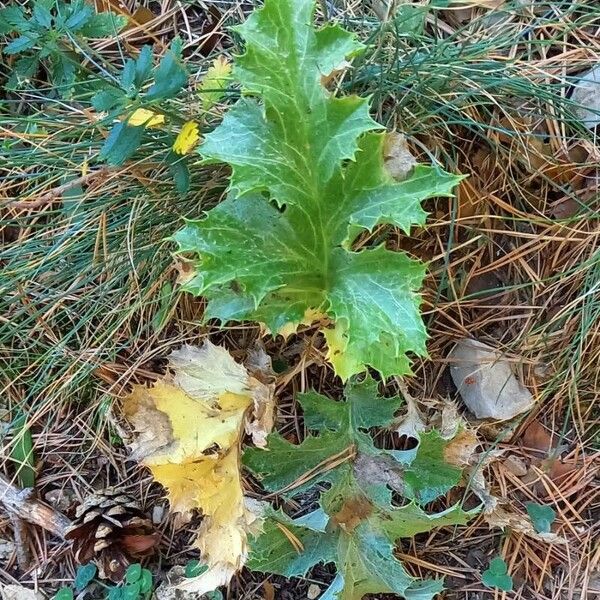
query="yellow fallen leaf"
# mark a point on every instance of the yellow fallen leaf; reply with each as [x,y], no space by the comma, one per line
[148,118]
[213,84]
[188,137]
[188,430]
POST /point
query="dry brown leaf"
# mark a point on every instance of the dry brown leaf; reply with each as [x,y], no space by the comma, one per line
[470,203]
[141,16]
[353,512]
[537,437]
[503,518]
[398,159]
[513,464]
[189,427]
[460,449]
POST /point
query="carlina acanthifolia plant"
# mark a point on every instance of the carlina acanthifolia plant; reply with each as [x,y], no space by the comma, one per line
[307,179]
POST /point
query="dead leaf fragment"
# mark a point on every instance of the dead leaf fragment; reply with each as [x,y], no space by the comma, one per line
[486,383]
[537,437]
[513,464]
[189,427]
[412,423]
[478,483]
[398,159]
[352,513]
[460,449]
[379,470]
[503,518]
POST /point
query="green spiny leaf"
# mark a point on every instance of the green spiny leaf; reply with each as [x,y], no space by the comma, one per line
[341,427]
[357,526]
[429,476]
[315,157]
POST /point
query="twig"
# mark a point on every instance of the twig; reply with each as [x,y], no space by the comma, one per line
[21,542]
[22,503]
[56,192]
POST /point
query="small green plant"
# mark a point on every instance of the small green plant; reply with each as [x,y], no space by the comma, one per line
[194,568]
[124,102]
[136,585]
[496,575]
[541,515]
[47,37]
[308,182]
[84,576]
[359,519]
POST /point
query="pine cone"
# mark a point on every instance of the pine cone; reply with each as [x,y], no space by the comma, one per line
[111,529]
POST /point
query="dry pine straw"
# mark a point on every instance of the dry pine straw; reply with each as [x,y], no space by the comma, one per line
[504,268]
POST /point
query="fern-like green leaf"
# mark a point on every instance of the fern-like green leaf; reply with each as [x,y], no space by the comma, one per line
[307,178]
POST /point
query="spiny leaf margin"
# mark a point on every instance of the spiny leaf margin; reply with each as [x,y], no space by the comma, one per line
[307,178]
[357,523]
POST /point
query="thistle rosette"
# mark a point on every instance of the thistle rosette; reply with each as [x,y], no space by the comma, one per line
[307,179]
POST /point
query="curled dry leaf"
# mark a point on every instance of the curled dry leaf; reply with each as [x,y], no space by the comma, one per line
[188,433]
[460,449]
[500,517]
[412,422]
[476,477]
[449,420]
[486,383]
[262,384]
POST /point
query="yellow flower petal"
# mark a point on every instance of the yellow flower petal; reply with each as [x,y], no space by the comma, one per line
[188,137]
[145,117]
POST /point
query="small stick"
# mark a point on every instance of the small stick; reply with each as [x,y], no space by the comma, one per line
[56,192]
[22,503]
[21,544]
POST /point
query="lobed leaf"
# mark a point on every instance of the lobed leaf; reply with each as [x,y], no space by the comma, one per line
[357,524]
[307,179]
